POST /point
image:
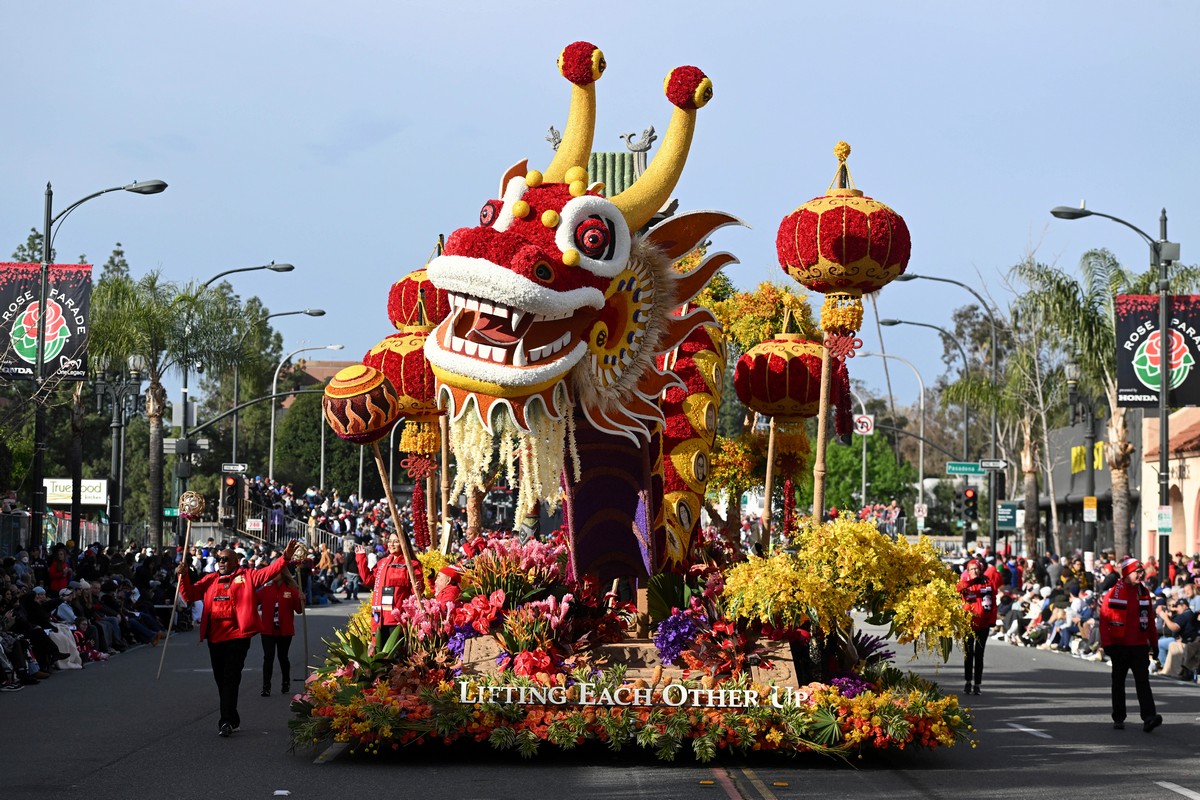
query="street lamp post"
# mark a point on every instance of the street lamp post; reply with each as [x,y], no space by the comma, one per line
[274,391]
[1162,254]
[966,371]
[921,405]
[185,365]
[862,410]
[992,499]
[1084,406]
[115,387]
[38,509]
[237,387]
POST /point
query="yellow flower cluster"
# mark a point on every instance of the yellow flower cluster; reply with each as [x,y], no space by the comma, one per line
[420,437]
[841,313]
[846,564]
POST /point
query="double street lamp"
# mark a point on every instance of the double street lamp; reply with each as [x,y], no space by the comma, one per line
[121,389]
[275,389]
[992,498]
[966,370]
[237,387]
[183,473]
[1162,253]
[38,506]
[921,431]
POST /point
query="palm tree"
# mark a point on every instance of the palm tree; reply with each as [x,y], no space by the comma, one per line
[1083,314]
[168,326]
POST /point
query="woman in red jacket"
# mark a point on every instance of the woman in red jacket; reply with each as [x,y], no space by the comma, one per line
[389,587]
[278,604]
[60,571]
[1128,636]
[978,587]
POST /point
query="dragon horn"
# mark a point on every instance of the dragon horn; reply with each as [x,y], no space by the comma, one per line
[688,89]
[582,63]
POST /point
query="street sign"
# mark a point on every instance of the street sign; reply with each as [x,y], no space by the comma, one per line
[1089,509]
[920,523]
[864,424]
[920,510]
[234,469]
[171,511]
[993,463]
[964,468]
[1006,516]
[1164,520]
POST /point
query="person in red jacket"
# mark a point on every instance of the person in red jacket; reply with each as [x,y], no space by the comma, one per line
[229,621]
[389,586]
[979,587]
[1128,635]
[445,585]
[278,603]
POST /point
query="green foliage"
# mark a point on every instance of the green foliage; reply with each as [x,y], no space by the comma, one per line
[887,478]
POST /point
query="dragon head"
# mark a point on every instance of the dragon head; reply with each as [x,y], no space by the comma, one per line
[549,280]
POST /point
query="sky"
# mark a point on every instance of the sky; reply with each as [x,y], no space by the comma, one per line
[343,138]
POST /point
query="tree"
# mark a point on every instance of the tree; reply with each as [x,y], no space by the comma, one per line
[168,326]
[1082,313]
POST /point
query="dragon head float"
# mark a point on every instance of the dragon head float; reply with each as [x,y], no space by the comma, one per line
[561,303]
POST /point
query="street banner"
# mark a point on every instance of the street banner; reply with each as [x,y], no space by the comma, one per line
[1139,360]
[69,298]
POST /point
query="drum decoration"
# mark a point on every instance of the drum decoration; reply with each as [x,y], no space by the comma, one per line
[360,404]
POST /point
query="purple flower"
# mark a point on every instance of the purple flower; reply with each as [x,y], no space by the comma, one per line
[677,632]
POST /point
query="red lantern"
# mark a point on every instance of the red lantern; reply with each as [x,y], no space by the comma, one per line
[401,357]
[843,245]
[404,299]
[781,378]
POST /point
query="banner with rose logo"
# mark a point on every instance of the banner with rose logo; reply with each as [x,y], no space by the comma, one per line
[1139,352]
[69,298]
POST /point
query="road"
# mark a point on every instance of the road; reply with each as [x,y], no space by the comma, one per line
[112,732]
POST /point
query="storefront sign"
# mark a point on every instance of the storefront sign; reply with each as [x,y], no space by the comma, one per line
[92,492]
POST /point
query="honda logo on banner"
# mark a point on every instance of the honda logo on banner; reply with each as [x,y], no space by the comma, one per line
[1141,363]
[68,303]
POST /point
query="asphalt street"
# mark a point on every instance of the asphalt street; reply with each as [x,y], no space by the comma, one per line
[113,731]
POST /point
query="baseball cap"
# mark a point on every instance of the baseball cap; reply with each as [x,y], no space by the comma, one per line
[39,590]
[64,592]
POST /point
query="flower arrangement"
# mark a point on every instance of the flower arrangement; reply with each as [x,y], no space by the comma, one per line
[846,564]
[821,718]
[679,632]
[519,570]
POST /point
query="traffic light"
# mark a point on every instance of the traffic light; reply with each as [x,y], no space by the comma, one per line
[959,503]
[232,492]
[971,502]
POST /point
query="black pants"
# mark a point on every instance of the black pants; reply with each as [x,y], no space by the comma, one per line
[271,646]
[228,658]
[1135,659]
[973,655]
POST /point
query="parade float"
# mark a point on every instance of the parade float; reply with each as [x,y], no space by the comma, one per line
[558,345]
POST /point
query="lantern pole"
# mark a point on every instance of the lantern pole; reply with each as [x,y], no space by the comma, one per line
[764,538]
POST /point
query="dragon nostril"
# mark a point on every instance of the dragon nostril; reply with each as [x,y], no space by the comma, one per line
[543,271]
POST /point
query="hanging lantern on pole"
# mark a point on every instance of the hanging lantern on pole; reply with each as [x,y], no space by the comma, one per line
[843,245]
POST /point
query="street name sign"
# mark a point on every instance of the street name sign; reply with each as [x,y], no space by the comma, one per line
[171,511]
[234,469]
[964,468]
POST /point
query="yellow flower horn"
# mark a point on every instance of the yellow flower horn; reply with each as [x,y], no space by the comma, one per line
[582,63]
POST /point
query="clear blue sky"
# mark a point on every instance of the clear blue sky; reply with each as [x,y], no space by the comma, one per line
[344,137]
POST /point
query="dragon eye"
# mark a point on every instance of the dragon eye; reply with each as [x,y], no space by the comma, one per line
[489,212]
[593,238]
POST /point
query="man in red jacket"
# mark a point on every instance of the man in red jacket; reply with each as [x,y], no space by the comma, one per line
[978,587]
[1128,634]
[229,621]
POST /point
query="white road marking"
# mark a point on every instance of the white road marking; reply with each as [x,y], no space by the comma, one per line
[1032,732]
[1174,787]
[766,793]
